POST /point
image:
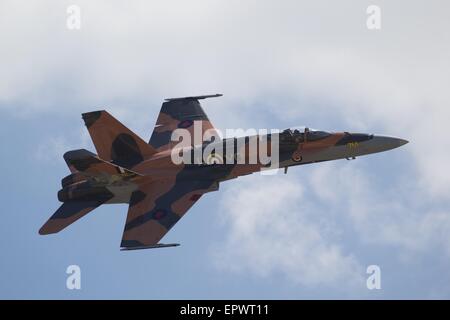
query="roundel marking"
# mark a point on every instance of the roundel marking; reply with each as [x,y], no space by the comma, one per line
[159,214]
[297,157]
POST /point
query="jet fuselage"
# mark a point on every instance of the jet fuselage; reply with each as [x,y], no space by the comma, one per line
[295,148]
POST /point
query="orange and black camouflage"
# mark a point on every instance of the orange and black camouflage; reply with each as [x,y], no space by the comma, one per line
[158,191]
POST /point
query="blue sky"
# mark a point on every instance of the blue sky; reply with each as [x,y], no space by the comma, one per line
[309,234]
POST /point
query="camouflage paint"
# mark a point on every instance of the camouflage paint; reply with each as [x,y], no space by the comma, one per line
[158,191]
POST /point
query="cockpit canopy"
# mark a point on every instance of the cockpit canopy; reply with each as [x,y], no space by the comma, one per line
[298,133]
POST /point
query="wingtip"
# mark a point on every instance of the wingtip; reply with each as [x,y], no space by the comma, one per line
[196,97]
[44,230]
[155,246]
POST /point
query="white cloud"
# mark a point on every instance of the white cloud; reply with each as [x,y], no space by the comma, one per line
[300,225]
[273,229]
[396,215]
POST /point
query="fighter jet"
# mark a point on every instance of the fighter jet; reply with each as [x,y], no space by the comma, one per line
[158,189]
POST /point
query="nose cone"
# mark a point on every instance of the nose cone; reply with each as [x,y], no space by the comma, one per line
[390,142]
[401,141]
[383,143]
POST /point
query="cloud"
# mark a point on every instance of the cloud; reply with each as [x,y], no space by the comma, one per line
[316,227]
[396,215]
[273,229]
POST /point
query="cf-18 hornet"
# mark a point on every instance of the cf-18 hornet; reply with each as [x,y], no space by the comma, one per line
[160,190]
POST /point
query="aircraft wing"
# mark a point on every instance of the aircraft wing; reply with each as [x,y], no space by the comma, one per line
[179,113]
[156,207]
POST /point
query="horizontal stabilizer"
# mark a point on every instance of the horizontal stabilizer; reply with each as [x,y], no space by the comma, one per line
[88,163]
[67,214]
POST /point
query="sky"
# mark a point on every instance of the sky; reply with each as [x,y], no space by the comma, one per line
[310,234]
